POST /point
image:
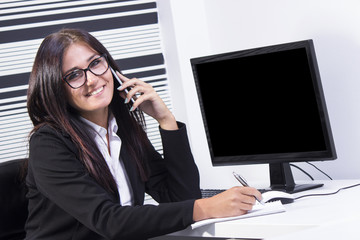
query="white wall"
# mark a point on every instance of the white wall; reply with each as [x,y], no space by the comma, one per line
[193,28]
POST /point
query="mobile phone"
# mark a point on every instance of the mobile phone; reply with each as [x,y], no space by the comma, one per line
[120,82]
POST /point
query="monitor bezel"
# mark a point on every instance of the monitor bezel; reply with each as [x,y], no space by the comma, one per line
[328,154]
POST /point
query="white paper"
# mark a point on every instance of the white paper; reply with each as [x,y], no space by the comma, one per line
[258,210]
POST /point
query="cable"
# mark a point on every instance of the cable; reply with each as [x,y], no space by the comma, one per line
[326,194]
[319,170]
[293,165]
[302,170]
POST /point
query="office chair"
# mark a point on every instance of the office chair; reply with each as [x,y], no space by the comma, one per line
[13,202]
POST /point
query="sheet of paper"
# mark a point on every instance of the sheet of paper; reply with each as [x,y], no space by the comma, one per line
[258,210]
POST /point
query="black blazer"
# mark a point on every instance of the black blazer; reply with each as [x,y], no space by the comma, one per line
[65,202]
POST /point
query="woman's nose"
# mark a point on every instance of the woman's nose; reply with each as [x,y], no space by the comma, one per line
[91,78]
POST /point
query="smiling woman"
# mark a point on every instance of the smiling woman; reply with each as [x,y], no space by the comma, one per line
[89,155]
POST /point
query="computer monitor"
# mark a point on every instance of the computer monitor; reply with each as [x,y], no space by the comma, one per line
[265,105]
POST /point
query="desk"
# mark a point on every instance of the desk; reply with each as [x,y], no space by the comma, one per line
[325,217]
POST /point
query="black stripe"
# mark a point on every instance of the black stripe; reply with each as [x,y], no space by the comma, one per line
[70,15]
[12,94]
[146,73]
[138,62]
[90,26]
[14,80]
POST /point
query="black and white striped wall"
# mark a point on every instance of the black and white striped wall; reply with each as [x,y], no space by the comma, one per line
[128,29]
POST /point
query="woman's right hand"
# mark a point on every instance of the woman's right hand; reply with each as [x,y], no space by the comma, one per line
[233,202]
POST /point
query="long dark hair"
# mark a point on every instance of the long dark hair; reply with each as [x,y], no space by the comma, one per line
[47,106]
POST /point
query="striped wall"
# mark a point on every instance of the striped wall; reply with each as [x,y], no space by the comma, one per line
[128,29]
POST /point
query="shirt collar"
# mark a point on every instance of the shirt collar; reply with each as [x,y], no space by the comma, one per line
[112,125]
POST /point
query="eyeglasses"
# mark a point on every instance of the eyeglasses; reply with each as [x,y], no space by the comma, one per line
[78,78]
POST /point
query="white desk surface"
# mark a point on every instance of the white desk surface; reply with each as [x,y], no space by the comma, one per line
[322,217]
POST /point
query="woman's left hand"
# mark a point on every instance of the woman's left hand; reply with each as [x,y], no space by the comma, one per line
[147,99]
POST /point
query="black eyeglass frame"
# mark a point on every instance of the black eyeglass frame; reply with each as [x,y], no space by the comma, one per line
[87,69]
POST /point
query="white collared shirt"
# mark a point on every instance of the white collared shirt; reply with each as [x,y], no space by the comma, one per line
[112,159]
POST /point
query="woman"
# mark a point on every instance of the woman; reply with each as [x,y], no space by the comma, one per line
[90,161]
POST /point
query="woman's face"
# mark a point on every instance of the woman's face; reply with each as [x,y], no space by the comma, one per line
[96,94]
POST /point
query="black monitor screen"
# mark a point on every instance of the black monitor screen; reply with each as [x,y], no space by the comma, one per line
[264,105]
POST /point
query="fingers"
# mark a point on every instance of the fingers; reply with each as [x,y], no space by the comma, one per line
[140,91]
[233,202]
[141,94]
[243,198]
[253,192]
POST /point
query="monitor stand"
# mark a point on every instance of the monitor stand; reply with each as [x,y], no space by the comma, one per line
[281,179]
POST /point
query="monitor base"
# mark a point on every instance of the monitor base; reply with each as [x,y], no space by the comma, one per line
[297,187]
[281,179]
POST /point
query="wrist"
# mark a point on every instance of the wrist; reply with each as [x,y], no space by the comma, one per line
[200,210]
[168,122]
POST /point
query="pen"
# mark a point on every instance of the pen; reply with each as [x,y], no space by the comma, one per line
[244,183]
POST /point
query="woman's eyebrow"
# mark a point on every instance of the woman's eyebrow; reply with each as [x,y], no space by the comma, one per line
[92,56]
[75,68]
[70,70]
